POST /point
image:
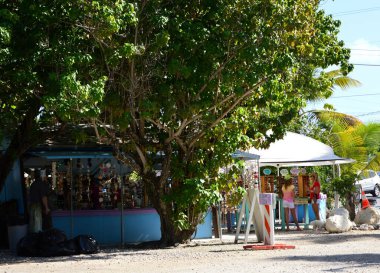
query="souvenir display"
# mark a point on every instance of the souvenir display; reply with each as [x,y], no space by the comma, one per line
[267,183]
[90,184]
[273,184]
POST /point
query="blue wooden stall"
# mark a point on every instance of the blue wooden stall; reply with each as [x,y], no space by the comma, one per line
[110,226]
[12,189]
[116,228]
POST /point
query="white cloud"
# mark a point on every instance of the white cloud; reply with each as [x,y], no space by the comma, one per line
[363,52]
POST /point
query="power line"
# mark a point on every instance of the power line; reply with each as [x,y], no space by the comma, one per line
[360,95]
[366,54]
[367,64]
[351,12]
[369,114]
[359,49]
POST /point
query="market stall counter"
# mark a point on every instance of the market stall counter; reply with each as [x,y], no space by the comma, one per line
[304,211]
[92,193]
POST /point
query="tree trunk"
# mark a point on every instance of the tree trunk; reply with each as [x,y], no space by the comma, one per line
[21,141]
[170,235]
[215,221]
[350,205]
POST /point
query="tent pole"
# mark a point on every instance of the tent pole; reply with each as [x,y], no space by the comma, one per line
[121,206]
[336,194]
[258,174]
[71,200]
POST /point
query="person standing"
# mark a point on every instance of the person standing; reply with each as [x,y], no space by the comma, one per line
[38,202]
[315,194]
[288,202]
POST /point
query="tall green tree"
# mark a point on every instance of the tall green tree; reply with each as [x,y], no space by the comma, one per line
[207,78]
[51,68]
[188,82]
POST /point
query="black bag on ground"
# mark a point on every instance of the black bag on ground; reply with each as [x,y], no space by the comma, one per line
[87,244]
[42,244]
[54,242]
[28,245]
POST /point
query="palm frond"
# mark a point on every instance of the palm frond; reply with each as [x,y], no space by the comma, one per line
[342,81]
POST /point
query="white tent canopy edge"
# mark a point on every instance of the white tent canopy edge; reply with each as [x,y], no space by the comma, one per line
[298,150]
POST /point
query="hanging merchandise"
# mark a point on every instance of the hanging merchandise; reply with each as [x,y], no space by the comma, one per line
[267,184]
[54,174]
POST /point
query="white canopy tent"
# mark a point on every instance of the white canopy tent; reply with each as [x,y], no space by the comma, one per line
[294,150]
[298,150]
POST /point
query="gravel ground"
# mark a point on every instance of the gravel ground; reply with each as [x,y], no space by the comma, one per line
[316,251]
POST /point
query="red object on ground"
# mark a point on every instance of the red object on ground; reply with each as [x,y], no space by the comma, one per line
[365,202]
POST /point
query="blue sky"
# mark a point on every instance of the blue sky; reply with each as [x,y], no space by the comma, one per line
[360,30]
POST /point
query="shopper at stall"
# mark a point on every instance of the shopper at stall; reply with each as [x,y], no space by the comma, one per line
[315,194]
[38,202]
[288,202]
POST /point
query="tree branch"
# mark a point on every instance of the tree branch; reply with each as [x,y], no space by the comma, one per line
[228,110]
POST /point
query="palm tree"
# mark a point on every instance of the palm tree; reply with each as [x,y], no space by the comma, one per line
[347,135]
[360,142]
[340,80]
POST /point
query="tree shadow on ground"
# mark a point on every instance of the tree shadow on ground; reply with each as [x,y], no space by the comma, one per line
[360,260]
[8,257]
[333,238]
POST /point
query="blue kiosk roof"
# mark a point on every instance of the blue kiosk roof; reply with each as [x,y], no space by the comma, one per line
[67,153]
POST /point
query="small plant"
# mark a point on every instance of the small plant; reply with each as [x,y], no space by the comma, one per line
[345,187]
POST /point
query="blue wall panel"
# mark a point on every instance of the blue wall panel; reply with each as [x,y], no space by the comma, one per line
[140,225]
[12,188]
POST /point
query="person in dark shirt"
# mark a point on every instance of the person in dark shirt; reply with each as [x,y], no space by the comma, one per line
[38,202]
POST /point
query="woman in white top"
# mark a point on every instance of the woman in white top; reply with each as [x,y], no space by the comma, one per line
[288,202]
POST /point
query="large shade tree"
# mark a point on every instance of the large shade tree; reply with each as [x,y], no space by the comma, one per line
[188,82]
[47,54]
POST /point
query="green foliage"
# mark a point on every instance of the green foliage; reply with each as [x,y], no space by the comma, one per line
[350,139]
[54,52]
[75,100]
[343,185]
[194,80]
[134,176]
[192,199]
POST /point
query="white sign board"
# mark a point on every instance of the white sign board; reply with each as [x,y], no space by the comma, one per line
[266,198]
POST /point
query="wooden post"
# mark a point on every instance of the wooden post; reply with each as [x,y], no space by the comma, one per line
[215,221]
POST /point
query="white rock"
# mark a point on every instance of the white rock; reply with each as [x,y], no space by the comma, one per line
[363,227]
[369,216]
[318,224]
[340,211]
[338,224]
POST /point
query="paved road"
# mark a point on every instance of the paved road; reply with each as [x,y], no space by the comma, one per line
[316,252]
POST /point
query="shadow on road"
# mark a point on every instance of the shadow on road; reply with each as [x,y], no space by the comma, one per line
[360,260]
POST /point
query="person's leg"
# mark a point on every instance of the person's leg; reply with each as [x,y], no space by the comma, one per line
[35,222]
[47,222]
[315,207]
[293,211]
[287,218]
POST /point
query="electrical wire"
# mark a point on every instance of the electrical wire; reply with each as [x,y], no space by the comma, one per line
[351,12]
[359,49]
[359,95]
[367,64]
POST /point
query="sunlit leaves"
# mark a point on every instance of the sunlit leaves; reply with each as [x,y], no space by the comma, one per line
[76,100]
